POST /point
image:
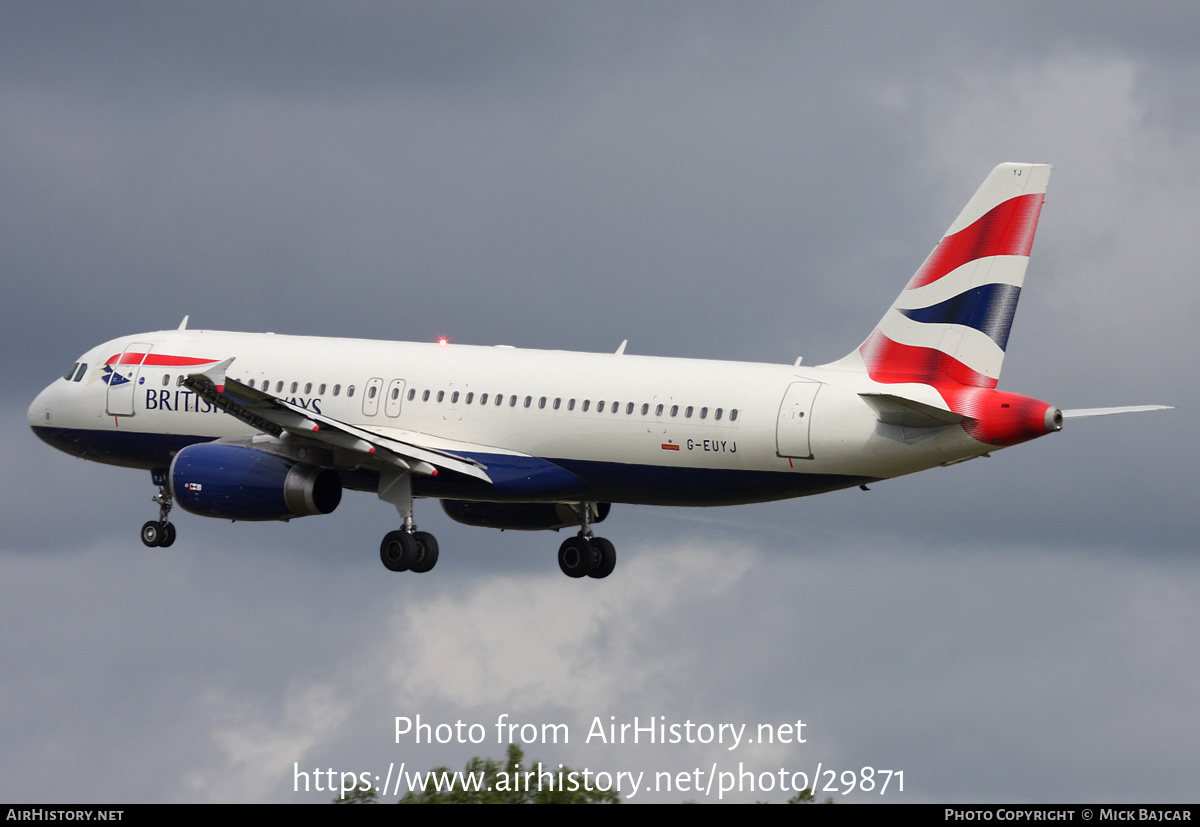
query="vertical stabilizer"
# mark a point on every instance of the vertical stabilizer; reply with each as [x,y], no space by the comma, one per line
[951,323]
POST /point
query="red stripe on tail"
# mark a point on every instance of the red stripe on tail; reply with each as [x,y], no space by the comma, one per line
[1006,230]
[891,362]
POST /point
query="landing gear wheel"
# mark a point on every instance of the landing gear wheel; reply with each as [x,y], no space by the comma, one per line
[153,534]
[168,535]
[397,551]
[576,557]
[426,552]
[606,558]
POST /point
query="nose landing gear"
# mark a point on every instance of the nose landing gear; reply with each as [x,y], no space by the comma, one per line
[160,533]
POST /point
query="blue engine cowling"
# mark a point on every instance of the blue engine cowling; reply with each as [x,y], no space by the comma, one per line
[239,483]
[518,516]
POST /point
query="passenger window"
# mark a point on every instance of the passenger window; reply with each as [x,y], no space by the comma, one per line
[470,396]
[425,396]
[349,391]
[294,388]
[733,415]
[570,404]
[704,413]
[717,414]
[586,402]
[628,408]
[674,410]
[166,379]
[557,402]
[395,393]
[542,403]
[370,391]
[528,401]
[179,381]
[321,390]
[658,410]
[441,395]
[250,383]
[279,387]
[616,407]
[307,388]
[600,406]
[412,394]
[454,398]
[512,401]
[337,389]
[687,412]
[645,408]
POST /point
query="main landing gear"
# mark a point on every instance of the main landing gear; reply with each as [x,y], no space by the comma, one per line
[584,555]
[581,556]
[405,549]
[160,533]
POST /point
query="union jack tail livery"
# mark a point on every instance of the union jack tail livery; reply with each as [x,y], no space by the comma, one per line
[950,325]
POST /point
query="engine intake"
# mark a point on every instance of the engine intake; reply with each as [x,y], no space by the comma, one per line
[239,483]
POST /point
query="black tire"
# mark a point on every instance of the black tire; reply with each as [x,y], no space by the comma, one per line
[606,554]
[576,557]
[398,550]
[152,534]
[426,552]
[168,535]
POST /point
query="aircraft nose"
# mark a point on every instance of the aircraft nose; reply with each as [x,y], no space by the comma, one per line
[41,412]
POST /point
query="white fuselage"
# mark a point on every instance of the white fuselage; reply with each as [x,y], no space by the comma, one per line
[634,428]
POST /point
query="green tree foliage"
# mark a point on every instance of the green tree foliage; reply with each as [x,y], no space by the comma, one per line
[359,796]
[806,796]
[512,782]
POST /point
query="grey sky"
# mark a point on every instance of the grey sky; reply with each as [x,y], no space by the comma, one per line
[734,181]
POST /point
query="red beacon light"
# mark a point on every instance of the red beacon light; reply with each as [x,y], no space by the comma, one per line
[442,341]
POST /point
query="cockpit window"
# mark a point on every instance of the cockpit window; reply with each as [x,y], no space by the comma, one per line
[71,371]
[82,370]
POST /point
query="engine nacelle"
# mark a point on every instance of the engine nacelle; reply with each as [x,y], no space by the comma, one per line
[519,516]
[239,483]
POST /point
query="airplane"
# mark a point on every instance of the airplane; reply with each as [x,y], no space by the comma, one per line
[257,426]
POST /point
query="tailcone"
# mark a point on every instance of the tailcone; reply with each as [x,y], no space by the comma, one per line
[1001,419]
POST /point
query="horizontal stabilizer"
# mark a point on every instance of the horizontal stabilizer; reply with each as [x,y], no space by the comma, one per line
[909,413]
[1078,413]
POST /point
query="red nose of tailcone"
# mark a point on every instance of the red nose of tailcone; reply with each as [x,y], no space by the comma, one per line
[1005,418]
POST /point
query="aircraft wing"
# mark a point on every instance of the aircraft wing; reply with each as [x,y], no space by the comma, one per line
[407,450]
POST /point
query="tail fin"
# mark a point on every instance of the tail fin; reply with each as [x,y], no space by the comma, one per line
[951,323]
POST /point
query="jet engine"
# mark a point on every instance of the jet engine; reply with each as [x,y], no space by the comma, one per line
[239,483]
[519,516]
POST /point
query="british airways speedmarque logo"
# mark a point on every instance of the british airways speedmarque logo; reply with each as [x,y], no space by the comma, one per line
[113,377]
